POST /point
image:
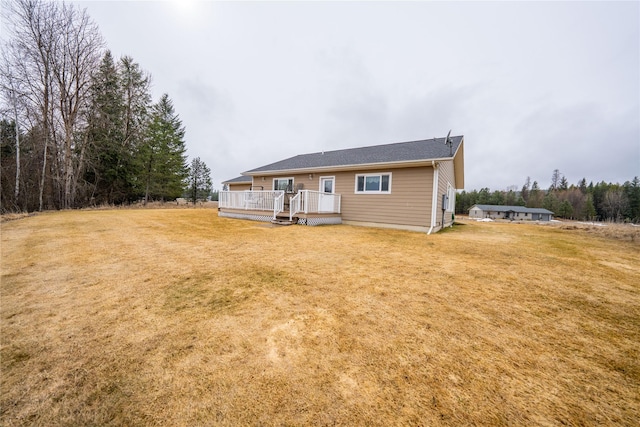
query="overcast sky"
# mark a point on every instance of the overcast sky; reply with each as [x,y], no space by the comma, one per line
[532,86]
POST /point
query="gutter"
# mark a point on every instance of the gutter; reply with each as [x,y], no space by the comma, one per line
[318,169]
[434,201]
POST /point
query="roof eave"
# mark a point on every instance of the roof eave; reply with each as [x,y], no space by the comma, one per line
[458,163]
[390,165]
[233,181]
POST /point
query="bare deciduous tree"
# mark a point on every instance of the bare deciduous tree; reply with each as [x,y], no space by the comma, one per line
[614,203]
[27,58]
[78,54]
[555,179]
[48,60]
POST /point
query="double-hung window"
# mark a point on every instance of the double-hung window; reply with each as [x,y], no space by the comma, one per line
[373,183]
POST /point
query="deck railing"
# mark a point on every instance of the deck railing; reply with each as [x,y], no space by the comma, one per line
[294,205]
[252,200]
[305,201]
[278,204]
[309,201]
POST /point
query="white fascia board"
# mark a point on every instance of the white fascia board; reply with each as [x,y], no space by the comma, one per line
[389,165]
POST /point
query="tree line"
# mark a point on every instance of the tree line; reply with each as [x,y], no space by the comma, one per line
[586,202]
[78,127]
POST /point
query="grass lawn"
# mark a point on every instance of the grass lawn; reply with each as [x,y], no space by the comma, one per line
[177,317]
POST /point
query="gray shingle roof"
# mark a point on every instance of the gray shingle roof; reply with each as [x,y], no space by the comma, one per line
[426,149]
[244,179]
[517,209]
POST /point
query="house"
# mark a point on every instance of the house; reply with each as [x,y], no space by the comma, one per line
[510,212]
[407,185]
[240,183]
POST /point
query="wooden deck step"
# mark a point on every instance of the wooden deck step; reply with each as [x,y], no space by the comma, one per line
[283,221]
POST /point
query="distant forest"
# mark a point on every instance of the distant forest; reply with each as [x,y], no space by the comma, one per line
[77,126]
[586,202]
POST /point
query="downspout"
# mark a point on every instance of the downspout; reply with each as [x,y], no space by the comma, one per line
[434,201]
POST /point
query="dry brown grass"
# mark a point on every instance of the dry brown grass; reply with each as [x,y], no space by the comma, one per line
[14,215]
[177,317]
[619,231]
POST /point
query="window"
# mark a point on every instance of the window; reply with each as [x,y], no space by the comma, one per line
[327,184]
[284,184]
[373,183]
[451,199]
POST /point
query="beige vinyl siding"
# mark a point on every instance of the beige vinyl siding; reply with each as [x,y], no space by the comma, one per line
[445,178]
[409,202]
[446,171]
[307,183]
[239,187]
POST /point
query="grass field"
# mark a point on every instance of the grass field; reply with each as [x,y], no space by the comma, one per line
[177,317]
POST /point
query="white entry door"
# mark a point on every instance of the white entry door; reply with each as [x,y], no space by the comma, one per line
[325,202]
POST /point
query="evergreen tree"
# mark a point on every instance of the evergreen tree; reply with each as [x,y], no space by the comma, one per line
[8,164]
[582,185]
[588,210]
[597,192]
[461,202]
[484,198]
[510,198]
[550,202]
[575,198]
[162,156]
[199,181]
[564,184]
[565,210]
[136,101]
[116,127]
[525,190]
[632,190]
[497,198]
[464,201]
[136,96]
[108,158]
[535,196]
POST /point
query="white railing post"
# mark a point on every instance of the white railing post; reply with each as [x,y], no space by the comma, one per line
[278,203]
[294,206]
[306,201]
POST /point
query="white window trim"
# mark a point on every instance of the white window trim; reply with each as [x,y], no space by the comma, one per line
[355,190]
[327,177]
[293,181]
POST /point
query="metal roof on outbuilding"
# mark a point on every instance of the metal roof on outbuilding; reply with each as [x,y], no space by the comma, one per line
[517,209]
